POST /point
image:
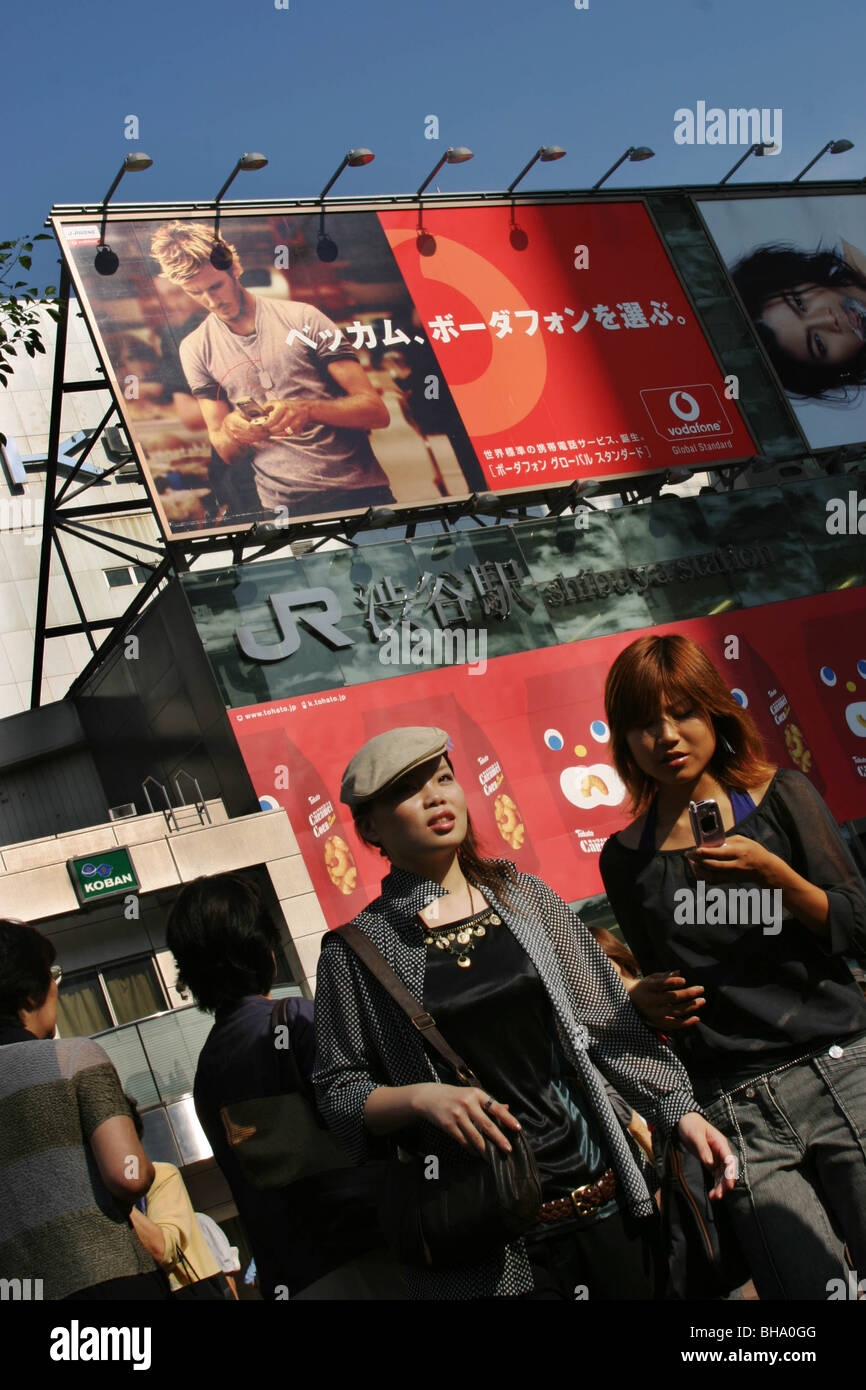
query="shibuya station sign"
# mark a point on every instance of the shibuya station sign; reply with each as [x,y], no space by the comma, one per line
[405,371]
[389,607]
[103,875]
[393,611]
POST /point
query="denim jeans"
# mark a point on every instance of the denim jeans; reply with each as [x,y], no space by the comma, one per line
[799,1136]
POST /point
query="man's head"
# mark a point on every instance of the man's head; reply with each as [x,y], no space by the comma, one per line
[183,251]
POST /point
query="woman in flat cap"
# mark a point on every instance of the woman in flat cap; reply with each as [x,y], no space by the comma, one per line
[520,989]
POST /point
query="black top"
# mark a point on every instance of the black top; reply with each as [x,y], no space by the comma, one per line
[239,1062]
[496,1014]
[770,997]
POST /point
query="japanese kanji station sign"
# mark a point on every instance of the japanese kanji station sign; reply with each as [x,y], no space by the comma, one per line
[285,387]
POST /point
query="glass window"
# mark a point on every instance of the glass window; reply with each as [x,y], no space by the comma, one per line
[92,1000]
[81,1007]
[134,990]
[117,578]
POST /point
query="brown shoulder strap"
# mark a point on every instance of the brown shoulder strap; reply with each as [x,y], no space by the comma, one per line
[424,1022]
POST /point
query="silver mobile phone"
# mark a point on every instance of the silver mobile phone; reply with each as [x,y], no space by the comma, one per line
[706,820]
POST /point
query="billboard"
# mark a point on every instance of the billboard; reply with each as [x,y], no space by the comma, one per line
[531,746]
[799,264]
[507,348]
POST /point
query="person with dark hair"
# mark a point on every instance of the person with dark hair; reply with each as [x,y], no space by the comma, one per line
[71,1165]
[771,1023]
[520,990]
[224,941]
[810,313]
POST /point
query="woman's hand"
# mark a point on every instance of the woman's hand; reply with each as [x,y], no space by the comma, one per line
[713,1150]
[464,1112]
[663,1002]
[738,859]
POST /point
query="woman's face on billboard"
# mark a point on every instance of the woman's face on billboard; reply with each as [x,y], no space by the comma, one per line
[814,323]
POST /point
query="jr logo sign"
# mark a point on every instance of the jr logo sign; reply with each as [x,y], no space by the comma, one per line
[322,623]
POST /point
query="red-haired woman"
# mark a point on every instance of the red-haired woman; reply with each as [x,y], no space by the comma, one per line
[773,1025]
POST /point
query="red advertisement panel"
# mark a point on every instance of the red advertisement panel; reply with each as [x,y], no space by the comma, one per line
[531,746]
[573,353]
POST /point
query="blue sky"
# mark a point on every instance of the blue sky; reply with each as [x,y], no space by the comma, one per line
[210,80]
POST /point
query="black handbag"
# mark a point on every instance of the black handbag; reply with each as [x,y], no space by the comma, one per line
[197,1290]
[458,1213]
[704,1257]
[279,1139]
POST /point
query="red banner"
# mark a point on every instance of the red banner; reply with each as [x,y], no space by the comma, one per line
[578,354]
[531,746]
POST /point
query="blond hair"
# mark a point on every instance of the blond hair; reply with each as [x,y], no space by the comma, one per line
[182,248]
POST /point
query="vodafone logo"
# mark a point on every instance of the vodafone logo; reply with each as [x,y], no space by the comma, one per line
[682,412]
[684,405]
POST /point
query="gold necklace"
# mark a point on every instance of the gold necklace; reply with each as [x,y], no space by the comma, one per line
[459,940]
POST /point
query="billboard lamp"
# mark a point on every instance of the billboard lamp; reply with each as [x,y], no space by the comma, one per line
[424,240]
[634,153]
[547,154]
[353,159]
[761,148]
[326,247]
[106,260]
[455,154]
[221,256]
[831,147]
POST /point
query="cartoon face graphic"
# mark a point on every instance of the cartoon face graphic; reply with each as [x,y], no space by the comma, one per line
[584,784]
[855,710]
[836,657]
[765,693]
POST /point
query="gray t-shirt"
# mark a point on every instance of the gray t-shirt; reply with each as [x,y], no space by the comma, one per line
[287,355]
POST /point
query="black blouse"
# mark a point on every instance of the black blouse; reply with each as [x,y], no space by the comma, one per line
[770,997]
[496,1014]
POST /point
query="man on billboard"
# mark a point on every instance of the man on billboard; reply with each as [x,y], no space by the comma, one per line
[276,379]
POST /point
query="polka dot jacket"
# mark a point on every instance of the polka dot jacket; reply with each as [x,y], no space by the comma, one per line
[364,1040]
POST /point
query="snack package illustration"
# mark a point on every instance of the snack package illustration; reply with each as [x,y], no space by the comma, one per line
[323,826]
[836,657]
[571,742]
[764,693]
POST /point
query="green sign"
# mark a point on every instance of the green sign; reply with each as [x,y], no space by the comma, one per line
[105,874]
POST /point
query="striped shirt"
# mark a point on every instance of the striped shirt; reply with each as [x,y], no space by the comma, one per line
[58,1221]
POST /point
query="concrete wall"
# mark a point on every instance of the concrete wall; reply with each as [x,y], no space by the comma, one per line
[35,884]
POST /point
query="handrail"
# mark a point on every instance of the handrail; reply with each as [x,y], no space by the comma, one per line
[168,811]
[199,803]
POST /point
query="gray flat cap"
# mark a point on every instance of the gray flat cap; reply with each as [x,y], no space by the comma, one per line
[385,758]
